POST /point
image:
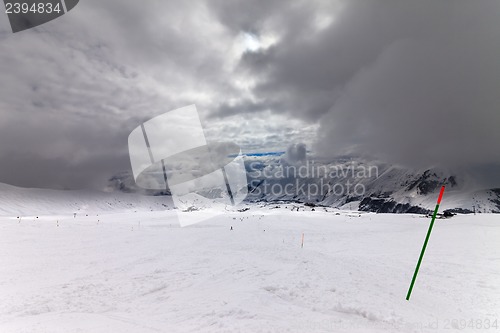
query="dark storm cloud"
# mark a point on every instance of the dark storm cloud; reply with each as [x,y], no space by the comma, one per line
[72,90]
[430,96]
[412,82]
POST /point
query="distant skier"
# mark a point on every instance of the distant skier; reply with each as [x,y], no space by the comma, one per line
[231,227]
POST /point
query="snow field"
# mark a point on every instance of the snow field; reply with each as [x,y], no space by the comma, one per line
[141,272]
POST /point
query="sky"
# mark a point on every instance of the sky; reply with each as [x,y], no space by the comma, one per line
[414,83]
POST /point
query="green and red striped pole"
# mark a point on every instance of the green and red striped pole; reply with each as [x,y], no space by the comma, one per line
[425,243]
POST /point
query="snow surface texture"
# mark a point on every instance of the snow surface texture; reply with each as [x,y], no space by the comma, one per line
[135,270]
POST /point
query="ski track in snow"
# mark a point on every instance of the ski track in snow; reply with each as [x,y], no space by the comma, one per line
[141,272]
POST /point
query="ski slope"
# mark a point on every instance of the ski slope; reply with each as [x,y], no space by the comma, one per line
[18,201]
[138,271]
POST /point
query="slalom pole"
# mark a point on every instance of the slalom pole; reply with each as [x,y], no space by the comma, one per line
[425,243]
[302,243]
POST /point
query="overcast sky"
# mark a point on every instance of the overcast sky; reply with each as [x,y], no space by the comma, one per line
[409,82]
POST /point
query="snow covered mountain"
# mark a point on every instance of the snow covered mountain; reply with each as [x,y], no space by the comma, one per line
[366,185]
[346,183]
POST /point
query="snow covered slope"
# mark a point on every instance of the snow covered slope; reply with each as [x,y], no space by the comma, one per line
[16,201]
[140,272]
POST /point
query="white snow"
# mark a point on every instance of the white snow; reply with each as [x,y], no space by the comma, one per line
[126,271]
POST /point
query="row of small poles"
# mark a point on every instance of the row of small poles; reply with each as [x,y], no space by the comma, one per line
[19,218]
